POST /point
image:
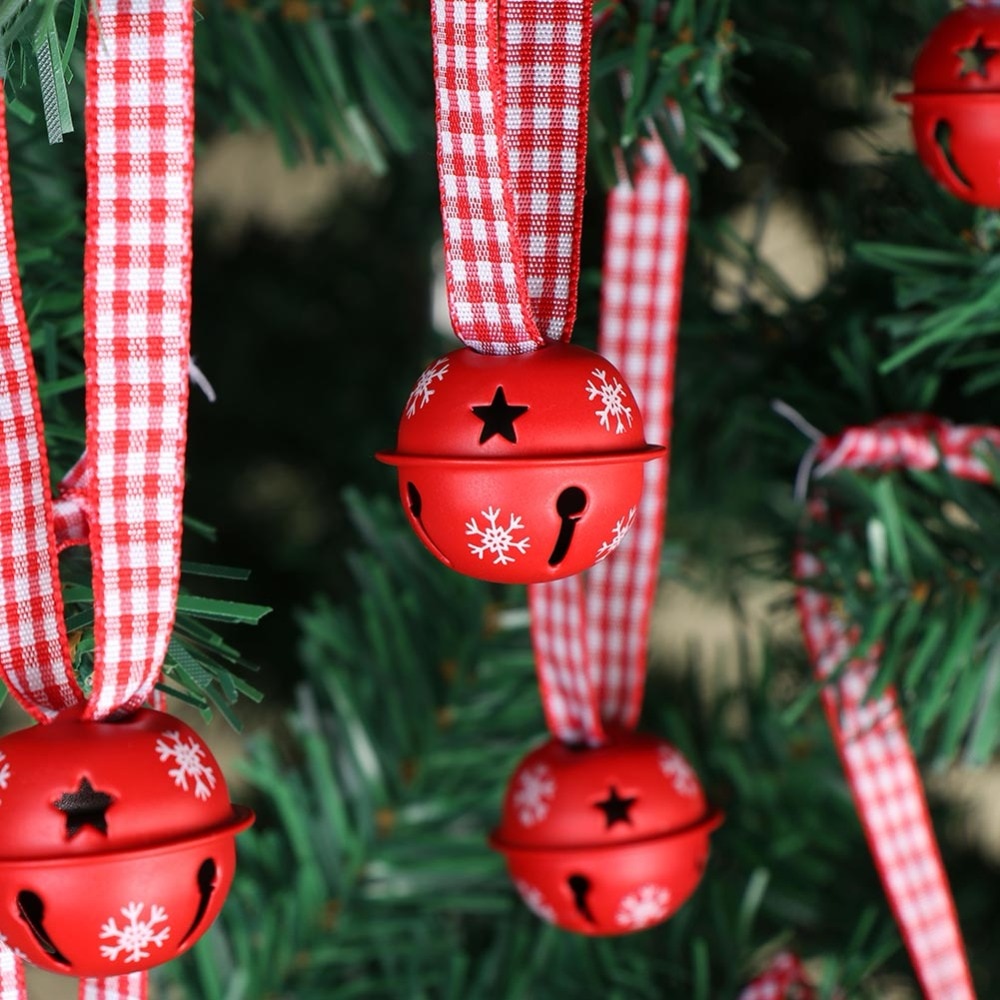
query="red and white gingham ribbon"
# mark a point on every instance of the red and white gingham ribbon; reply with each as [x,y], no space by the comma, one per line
[124,496]
[11,976]
[591,632]
[871,734]
[133,986]
[511,81]
[137,303]
[784,979]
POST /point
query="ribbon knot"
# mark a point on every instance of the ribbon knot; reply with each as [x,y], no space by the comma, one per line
[71,508]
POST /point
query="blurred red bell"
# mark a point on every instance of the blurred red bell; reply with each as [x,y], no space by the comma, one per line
[956,104]
[117,842]
[605,840]
[521,469]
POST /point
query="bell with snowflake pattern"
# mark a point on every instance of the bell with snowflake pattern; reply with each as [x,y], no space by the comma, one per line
[605,840]
[117,846]
[524,468]
[956,104]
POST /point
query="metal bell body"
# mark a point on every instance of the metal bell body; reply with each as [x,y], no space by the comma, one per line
[605,840]
[956,104]
[521,469]
[117,842]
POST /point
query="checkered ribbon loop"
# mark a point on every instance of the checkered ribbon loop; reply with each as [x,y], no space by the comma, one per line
[137,302]
[124,497]
[784,979]
[871,734]
[911,441]
[591,632]
[511,80]
[34,653]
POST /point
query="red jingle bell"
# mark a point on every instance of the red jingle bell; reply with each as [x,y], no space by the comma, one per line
[605,840]
[524,468]
[956,104]
[117,842]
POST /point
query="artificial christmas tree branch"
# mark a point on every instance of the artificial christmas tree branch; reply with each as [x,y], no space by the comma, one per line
[351,80]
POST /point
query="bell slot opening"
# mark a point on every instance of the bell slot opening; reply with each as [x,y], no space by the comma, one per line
[208,879]
[32,912]
[570,507]
[580,886]
[942,140]
[415,505]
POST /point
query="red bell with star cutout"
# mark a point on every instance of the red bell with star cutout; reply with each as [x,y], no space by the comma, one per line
[117,842]
[605,840]
[524,468]
[956,104]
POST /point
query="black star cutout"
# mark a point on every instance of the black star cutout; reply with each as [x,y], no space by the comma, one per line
[84,807]
[498,417]
[974,59]
[616,809]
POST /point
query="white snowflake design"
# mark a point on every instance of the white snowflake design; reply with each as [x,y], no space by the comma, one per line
[4,771]
[188,757]
[612,397]
[649,904]
[534,793]
[424,389]
[496,539]
[679,771]
[135,937]
[535,901]
[618,533]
